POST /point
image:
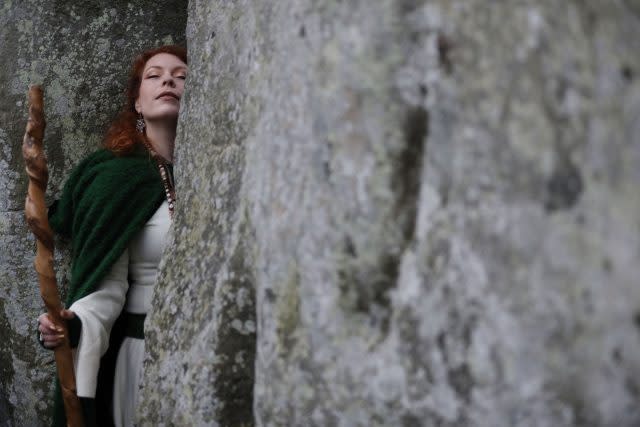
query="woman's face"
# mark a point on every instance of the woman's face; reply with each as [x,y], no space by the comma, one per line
[161,87]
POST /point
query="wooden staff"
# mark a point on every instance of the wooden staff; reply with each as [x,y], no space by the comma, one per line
[36,214]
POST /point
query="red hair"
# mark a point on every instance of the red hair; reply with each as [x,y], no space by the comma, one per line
[122,136]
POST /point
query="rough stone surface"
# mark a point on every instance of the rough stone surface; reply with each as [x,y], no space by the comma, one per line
[80,52]
[434,204]
[390,212]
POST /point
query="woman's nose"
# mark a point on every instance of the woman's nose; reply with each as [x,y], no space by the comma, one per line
[169,81]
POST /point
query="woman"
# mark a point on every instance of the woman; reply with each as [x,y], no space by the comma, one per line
[116,207]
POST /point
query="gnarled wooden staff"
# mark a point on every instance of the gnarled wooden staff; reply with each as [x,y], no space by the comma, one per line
[36,214]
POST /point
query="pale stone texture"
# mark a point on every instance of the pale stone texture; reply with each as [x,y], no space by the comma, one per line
[80,52]
[433,203]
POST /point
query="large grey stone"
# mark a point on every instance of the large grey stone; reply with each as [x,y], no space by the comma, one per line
[433,203]
[391,212]
[81,53]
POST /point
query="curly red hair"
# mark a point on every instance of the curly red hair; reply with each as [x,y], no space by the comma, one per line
[122,136]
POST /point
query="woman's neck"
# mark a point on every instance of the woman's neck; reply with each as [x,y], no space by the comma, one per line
[162,136]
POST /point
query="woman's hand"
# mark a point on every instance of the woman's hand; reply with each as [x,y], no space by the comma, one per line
[51,335]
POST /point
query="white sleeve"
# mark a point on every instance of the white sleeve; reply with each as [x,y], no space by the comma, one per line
[98,311]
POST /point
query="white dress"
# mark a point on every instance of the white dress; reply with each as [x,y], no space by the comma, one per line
[129,286]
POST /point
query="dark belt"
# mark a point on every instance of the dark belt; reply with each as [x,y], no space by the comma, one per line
[134,325]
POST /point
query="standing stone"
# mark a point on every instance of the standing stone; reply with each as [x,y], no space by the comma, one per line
[80,52]
[434,204]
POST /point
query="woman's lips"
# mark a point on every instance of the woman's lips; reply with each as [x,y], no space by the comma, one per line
[168,96]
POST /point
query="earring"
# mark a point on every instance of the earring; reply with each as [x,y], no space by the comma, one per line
[140,123]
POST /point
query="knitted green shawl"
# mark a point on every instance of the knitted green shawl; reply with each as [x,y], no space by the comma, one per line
[106,200]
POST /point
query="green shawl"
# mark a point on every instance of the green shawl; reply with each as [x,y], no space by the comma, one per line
[106,200]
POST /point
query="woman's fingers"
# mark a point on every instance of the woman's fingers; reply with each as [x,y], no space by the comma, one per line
[47,326]
[52,335]
[52,340]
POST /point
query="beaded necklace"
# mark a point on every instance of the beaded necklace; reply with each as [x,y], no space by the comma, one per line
[165,174]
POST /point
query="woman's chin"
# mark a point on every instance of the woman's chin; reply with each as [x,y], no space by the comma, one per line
[167,114]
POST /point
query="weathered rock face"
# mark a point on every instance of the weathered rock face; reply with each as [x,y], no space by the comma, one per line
[433,203]
[391,212]
[80,52]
